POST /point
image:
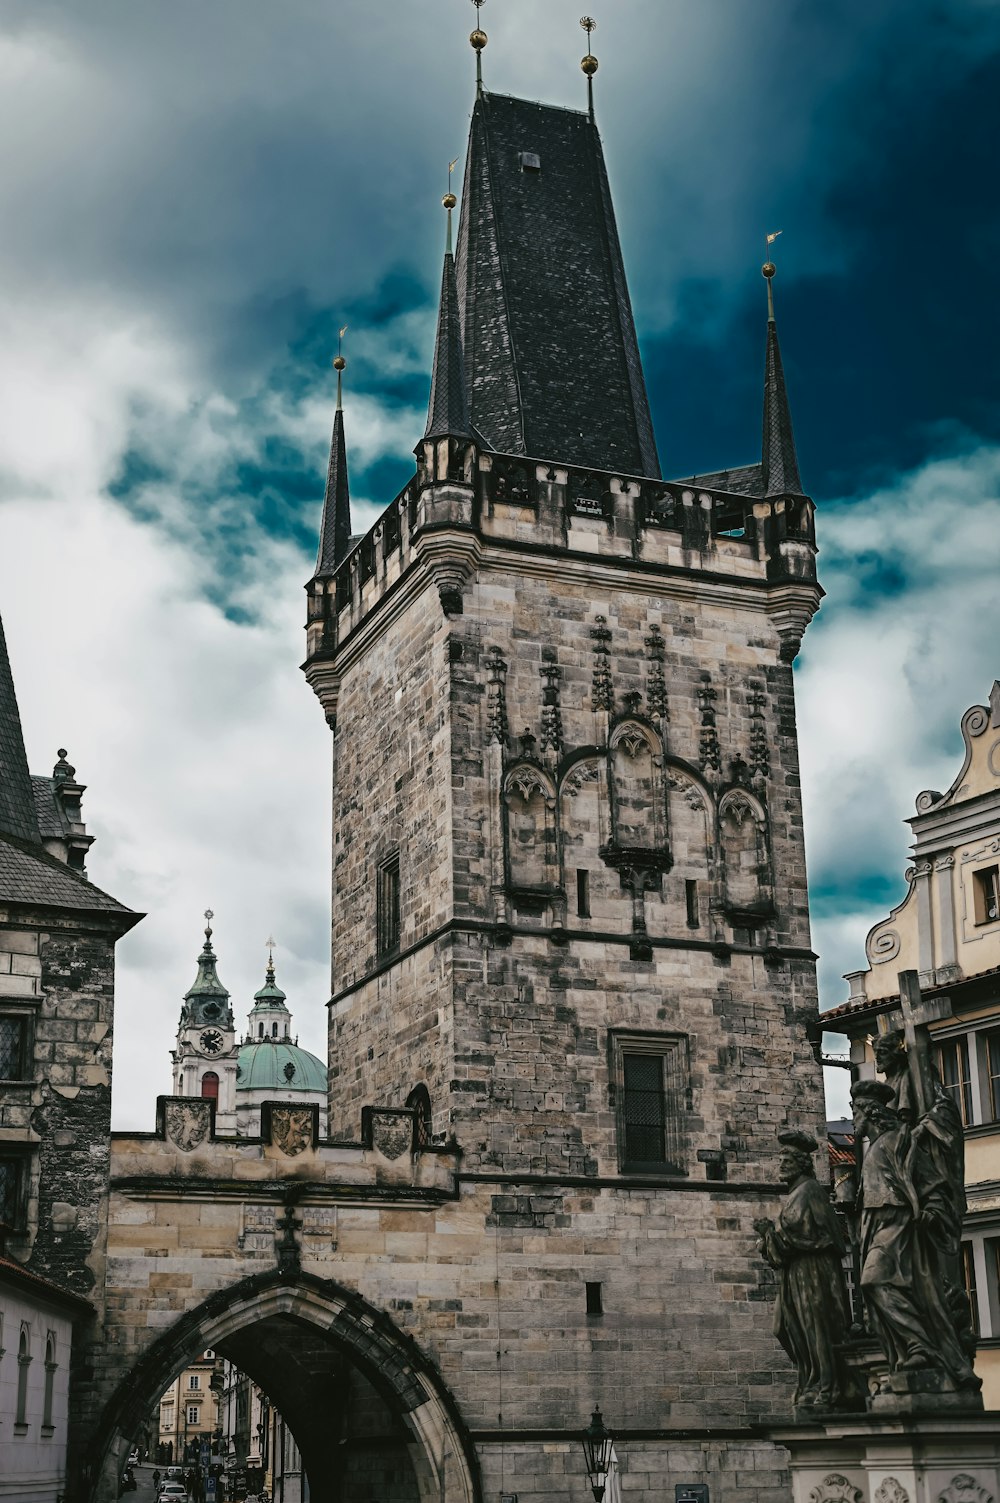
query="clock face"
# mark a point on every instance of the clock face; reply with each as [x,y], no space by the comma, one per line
[211,1041]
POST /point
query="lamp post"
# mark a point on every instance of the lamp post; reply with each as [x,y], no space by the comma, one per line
[598,1443]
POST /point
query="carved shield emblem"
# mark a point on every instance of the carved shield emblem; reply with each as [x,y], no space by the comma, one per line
[392,1135]
[965,1489]
[292,1128]
[187,1123]
[836,1489]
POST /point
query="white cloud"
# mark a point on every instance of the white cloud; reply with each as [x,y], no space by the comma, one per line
[887,673]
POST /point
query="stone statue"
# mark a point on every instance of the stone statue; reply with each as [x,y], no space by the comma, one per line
[939,1134]
[807,1247]
[906,1230]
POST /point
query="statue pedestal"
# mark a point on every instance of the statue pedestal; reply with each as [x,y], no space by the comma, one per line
[902,1458]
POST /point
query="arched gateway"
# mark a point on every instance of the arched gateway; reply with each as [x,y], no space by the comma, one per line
[330,1362]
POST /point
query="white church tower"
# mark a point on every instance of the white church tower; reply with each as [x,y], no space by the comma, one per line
[206,1056]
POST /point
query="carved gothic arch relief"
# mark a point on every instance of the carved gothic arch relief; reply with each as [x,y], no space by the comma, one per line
[743,845]
[690,812]
[325,1323]
[638,801]
[530,827]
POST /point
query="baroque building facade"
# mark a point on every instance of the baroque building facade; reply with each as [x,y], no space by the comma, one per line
[947,929]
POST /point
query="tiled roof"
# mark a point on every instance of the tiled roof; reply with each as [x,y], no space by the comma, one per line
[28,874]
[551,357]
[17,807]
[16,1273]
[51,820]
[866,1006]
[743,480]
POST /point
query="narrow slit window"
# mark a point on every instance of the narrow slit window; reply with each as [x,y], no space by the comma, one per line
[48,1402]
[387,906]
[595,1301]
[583,894]
[691,894]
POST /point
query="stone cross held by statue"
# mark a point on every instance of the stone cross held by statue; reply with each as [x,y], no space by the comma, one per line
[918,1011]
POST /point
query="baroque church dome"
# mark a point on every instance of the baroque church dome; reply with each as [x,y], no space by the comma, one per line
[270,1059]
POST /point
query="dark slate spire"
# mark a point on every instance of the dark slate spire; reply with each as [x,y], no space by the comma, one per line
[448,409]
[778,462]
[335,528]
[551,357]
[18,816]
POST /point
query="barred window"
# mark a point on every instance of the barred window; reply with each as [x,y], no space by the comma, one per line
[13,1051]
[651,1085]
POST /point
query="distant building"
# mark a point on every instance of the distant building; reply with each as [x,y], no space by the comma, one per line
[189,1413]
[947,928]
[239,1075]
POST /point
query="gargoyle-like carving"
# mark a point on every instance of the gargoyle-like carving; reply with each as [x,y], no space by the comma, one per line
[551,712]
[693,796]
[964,1488]
[836,1489]
[657,690]
[711,757]
[496,712]
[891,1491]
[187,1123]
[602,694]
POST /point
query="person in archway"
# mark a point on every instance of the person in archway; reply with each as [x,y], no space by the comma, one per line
[156,1481]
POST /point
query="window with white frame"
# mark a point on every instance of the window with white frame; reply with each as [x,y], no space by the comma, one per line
[192,1414]
[194,1381]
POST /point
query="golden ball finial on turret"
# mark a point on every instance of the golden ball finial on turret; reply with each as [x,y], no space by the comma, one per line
[589,64]
[449,200]
[768,270]
[478,39]
[339,363]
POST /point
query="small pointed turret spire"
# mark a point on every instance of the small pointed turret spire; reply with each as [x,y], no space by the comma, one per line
[335,528]
[448,409]
[18,816]
[779,463]
[207,1000]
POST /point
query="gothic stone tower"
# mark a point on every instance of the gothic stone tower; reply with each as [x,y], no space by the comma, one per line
[569,891]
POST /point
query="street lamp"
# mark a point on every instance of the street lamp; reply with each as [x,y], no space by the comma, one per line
[598,1443]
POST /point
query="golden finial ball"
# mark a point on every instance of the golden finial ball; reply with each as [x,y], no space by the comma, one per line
[589,64]
[768,270]
[478,39]
[449,200]
[339,363]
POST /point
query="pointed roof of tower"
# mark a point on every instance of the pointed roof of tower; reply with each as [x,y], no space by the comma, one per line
[18,816]
[335,527]
[551,357]
[448,409]
[270,997]
[206,986]
[779,463]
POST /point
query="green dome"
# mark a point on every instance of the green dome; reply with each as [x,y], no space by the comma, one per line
[278,1064]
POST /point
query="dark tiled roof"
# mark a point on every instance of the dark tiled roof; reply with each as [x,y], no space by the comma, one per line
[51,819]
[28,874]
[16,1273]
[551,357]
[448,410]
[743,480]
[335,528]
[779,463]
[17,806]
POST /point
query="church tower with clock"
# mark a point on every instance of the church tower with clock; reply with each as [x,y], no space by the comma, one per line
[205,1057]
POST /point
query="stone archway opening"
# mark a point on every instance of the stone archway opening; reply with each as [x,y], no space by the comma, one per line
[368,1413]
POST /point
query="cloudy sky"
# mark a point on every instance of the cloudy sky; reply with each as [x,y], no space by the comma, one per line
[194,195]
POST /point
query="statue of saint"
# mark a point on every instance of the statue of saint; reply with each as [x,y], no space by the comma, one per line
[807,1248]
[940,1135]
[906,1223]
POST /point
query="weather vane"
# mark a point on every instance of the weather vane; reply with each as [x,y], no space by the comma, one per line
[449,200]
[478,39]
[768,269]
[209,916]
[339,363]
[589,63]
